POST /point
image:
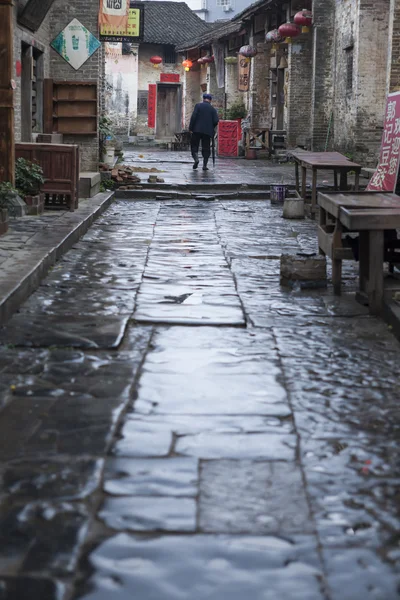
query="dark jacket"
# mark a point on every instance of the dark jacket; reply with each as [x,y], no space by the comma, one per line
[204,119]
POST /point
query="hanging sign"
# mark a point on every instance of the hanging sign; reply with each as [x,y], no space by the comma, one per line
[114,12]
[244,74]
[151,106]
[130,30]
[385,177]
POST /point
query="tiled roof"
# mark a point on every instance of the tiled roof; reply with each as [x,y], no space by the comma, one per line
[171,23]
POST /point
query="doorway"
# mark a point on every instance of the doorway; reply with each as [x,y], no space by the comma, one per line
[168,111]
[32,76]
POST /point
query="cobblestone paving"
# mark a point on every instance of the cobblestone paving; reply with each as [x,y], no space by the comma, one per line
[174,424]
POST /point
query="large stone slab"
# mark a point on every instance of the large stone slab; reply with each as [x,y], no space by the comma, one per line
[205,568]
[80,332]
[239,496]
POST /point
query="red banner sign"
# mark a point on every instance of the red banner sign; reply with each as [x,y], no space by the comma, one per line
[227,138]
[169,78]
[151,106]
[385,177]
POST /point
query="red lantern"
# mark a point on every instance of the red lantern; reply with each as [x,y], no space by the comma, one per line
[187,65]
[248,51]
[200,61]
[156,61]
[304,19]
[208,59]
[289,31]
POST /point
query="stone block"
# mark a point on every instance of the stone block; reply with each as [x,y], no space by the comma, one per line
[307,270]
[89,184]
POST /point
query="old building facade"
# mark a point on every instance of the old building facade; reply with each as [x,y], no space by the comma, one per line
[35,61]
[145,100]
[327,89]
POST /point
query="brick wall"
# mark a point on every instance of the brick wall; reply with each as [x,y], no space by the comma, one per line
[87,13]
[259,94]
[41,40]
[394,65]
[299,92]
[322,77]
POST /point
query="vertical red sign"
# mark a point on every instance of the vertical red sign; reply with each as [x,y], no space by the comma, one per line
[227,138]
[151,106]
[385,177]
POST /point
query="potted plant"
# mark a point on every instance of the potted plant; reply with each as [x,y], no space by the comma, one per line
[237,112]
[28,181]
[7,193]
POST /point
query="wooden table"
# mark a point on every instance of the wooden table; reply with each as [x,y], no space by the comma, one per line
[370,214]
[331,161]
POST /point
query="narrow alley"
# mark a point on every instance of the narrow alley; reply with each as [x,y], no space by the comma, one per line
[175,424]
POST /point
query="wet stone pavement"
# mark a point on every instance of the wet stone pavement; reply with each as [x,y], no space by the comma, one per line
[174,424]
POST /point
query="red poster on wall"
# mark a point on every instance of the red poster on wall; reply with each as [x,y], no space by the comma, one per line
[151,106]
[169,78]
[227,138]
[385,177]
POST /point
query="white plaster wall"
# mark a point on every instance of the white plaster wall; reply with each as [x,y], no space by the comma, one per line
[121,102]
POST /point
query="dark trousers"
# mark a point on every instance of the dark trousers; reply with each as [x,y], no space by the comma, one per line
[205,144]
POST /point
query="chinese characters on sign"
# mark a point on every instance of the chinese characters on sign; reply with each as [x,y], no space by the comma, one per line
[130,32]
[385,177]
[169,78]
[114,13]
[244,74]
[151,106]
[75,44]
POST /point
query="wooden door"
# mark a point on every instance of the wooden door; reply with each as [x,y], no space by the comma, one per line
[168,122]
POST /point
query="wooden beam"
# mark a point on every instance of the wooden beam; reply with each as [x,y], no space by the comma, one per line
[7,140]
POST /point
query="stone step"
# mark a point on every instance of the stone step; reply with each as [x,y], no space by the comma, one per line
[89,184]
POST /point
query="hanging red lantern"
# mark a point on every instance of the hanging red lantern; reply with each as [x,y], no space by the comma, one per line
[304,19]
[156,61]
[200,61]
[187,65]
[208,59]
[289,31]
[248,51]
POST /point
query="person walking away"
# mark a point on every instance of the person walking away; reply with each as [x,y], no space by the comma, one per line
[202,127]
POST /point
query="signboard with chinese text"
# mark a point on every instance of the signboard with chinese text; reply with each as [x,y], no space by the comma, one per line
[114,13]
[169,78]
[132,31]
[385,177]
[244,74]
[75,44]
[151,106]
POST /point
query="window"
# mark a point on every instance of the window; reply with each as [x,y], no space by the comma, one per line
[169,55]
[142,102]
[229,3]
[350,69]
